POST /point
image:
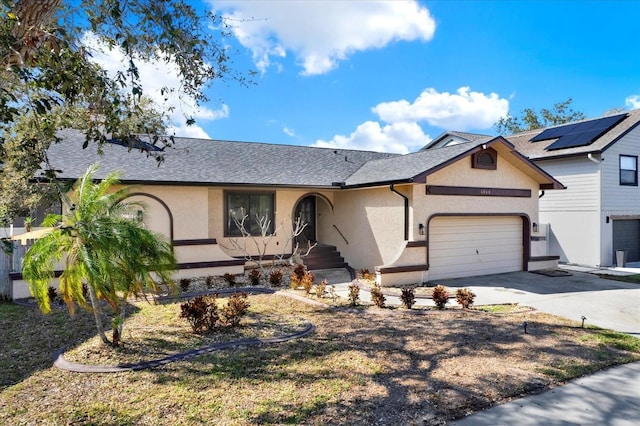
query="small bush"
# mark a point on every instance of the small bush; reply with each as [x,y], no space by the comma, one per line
[465,297]
[440,296]
[275,277]
[230,279]
[184,284]
[377,297]
[367,275]
[52,293]
[299,271]
[201,312]
[208,281]
[204,315]
[408,297]
[254,277]
[354,293]
[320,288]
[307,282]
[297,277]
[235,309]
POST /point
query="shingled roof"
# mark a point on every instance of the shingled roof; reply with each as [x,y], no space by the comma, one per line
[406,168]
[537,150]
[226,163]
[212,162]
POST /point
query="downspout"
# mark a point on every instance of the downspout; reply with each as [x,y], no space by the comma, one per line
[406,212]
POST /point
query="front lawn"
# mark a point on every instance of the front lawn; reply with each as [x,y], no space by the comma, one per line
[359,366]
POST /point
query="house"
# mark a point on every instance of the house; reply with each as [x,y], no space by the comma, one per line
[599,212]
[451,137]
[459,210]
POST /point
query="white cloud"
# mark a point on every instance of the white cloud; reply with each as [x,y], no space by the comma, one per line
[463,110]
[322,33]
[400,138]
[288,131]
[632,102]
[154,77]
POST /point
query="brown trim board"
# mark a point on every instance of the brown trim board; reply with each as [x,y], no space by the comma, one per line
[477,191]
[398,269]
[162,203]
[195,242]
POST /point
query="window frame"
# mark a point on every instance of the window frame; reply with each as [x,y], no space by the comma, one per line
[228,221]
[621,170]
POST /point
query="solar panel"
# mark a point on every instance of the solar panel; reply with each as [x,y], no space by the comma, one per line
[137,143]
[573,140]
[604,123]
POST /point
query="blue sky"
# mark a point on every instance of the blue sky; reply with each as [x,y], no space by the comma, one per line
[392,75]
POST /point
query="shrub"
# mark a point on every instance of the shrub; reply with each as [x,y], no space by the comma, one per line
[201,312]
[320,288]
[465,297]
[230,279]
[299,271]
[53,294]
[208,281]
[307,282]
[235,309]
[440,296]
[254,277]
[204,315]
[408,297]
[354,293]
[367,275]
[275,277]
[184,284]
[377,297]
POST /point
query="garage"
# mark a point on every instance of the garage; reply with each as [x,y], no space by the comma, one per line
[464,246]
[626,236]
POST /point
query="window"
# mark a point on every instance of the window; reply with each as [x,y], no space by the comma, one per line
[486,159]
[629,170]
[254,206]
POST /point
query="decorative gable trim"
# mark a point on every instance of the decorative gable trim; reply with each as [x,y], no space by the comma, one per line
[486,159]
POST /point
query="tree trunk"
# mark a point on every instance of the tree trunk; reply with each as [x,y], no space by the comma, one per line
[97,314]
[34,16]
[118,323]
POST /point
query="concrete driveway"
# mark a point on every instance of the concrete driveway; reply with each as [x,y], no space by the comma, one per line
[605,303]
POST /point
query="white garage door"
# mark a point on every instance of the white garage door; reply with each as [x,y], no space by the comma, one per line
[474,245]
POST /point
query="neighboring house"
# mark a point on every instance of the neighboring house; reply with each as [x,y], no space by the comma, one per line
[451,137]
[461,210]
[599,212]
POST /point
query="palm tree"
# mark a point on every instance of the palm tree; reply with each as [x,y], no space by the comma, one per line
[104,249]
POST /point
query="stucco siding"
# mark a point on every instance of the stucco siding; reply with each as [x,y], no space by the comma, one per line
[372,221]
[461,174]
[575,236]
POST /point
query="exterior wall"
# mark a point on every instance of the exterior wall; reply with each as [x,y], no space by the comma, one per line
[461,174]
[574,214]
[618,201]
[424,206]
[372,221]
[285,204]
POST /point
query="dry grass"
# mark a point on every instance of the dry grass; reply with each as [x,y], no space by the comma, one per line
[368,366]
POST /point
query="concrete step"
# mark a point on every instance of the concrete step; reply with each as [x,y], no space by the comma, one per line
[333,275]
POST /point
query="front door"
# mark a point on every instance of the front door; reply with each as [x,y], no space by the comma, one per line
[306,210]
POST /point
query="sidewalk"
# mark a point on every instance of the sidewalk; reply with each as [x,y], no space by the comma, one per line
[610,397]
